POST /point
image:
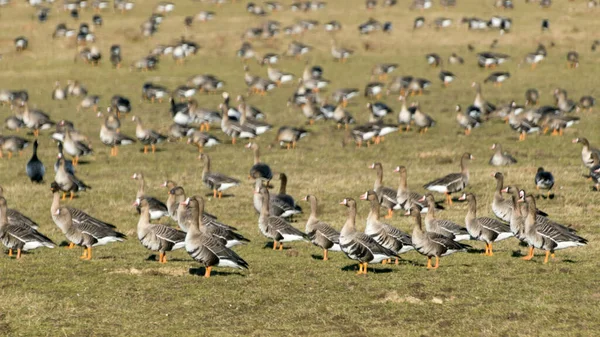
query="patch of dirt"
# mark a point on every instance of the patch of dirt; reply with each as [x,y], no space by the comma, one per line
[395,298]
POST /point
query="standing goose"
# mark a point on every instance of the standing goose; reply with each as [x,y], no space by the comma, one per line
[386,235]
[572,60]
[284,197]
[147,137]
[422,120]
[586,151]
[360,246]
[405,115]
[179,213]
[546,236]
[320,233]
[340,54]
[36,120]
[387,196]
[82,233]
[276,227]
[532,96]
[289,136]
[68,163]
[501,207]
[19,235]
[405,199]
[453,182]
[234,129]
[75,147]
[58,93]
[120,104]
[544,180]
[432,244]
[112,137]
[501,158]
[35,168]
[204,248]
[68,182]
[517,217]
[157,237]
[259,170]
[16,216]
[215,181]
[277,206]
[443,227]
[484,229]
[157,208]
[468,120]
[226,235]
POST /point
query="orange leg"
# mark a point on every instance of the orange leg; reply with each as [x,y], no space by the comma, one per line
[448,199]
[71,196]
[153,148]
[145,149]
[390,214]
[437,262]
[281,246]
[19,254]
[10,252]
[487,249]
[429,262]
[547,256]
[64,196]
[214,193]
[71,245]
[360,268]
[491,252]
[220,194]
[84,255]
[233,141]
[274,245]
[365,266]
[325,258]
[529,255]
[207,272]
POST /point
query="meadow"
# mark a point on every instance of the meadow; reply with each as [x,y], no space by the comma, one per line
[123,291]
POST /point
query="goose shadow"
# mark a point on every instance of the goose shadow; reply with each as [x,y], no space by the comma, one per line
[210,195]
[154,257]
[200,272]
[475,251]
[370,269]
[269,245]
[157,150]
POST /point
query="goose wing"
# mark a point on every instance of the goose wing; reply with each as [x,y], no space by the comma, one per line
[326,230]
[494,225]
[218,179]
[169,234]
[26,234]
[79,216]
[211,252]
[16,216]
[282,227]
[448,181]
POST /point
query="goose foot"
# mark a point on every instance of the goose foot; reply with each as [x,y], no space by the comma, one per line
[207,272]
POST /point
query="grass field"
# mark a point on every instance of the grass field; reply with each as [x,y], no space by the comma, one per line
[122,292]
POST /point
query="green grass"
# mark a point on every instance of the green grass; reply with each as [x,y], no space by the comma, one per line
[121,293]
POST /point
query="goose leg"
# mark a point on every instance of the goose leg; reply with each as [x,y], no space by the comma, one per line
[281,246]
[449,199]
[397,261]
[10,252]
[214,193]
[64,196]
[491,252]
[360,268]
[529,254]
[390,214]
[547,256]
[18,253]
[274,245]
[437,262]
[366,265]
[72,195]
[164,258]
[486,249]
[153,148]
[207,272]
[89,255]
[384,261]
[429,262]
[325,258]
[75,160]
[71,245]
[220,194]
[84,255]
[145,149]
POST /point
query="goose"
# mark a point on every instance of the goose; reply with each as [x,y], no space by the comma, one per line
[422,120]
[157,208]
[259,170]
[68,182]
[340,54]
[18,235]
[36,120]
[74,88]
[455,59]
[405,199]
[497,78]
[382,70]
[374,90]
[177,132]
[283,196]
[203,247]
[115,56]
[595,170]
[290,136]
[360,246]
[13,123]
[386,235]
[586,102]
[432,244]
[572,59]
[12,144]
[480,102]
[259,127]
[75,147]
[320,233]
[68,163]
[184,92]
[544,180]
[517,214]
[35,168]
[153,92]
[216,181]
[157,237]
[442,23]
[202,140]
[379,109]
[343,95]
[58,93]
[179,213]
[469,119]
[484,229]
[586,151]
[433,60]
[405,115]
[278,76]
[501,207]
[204,16]
[545,236]
[89,102]
[534,59]
[360,134]
[16,216]
[446,77]
[234,129]
[386,196]
[342,117]
[442,227]
[275,227]
[120,104]
[111,137]
[147,137]
[419,22]
[21,43]
[453,182]
[297,49]
[532,96]
[500,158]
[563,103]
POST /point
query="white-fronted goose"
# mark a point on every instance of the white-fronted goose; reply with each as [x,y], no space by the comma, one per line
[259,170]
[58,93]
[382,70]
[234,129]
[343,95]
[276,227]
[202,140]
[480,102]
[379,109]
[374,90]
[572,60]
[455,59]
[12,144]
[443,227]
[484,229]
[586,102]
[179,213]
[340,54]
[360,246]
[225,234]
[446,77]
[320,233]
[67,181]
[278,76]
[453,182]
[157,237]
[217,182]
[405,115]
[120,104]
[284,197]
[544,180]
[157,208]
[36,120]
[75,147]
[405,199]
[497,78]
[89,102]
[147,137]
[433,60]
[154,92]
[386,235]
[546,236]
[14,123]
[290,136]
[432,244]
[112,137]
[532,96]
[586,151]
[466,121]
[35,169]
[500,158]
[422,120]
[258,127]
[19,235]
[203,247]
[386,196]
[16,216]
[517,215]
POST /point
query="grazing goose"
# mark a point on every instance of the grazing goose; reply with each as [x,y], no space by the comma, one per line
[75,147]
[432,244]
[500,158]
[35,168]
[13,123]
[19,235]
[12,144]
[546,236]
[202,140]
[215,181]
[36,120]
[113,138]
[278,76]
[467,121]
[259,170]
[234,129]
[386,235]
[115,56]
[320,233]
[84,234]
[544,180]
[386,196]
[360,246]
[16,216]
[89,102]
[157,237]
[497,78]
[444,227]
[446,77]
[147,137]
[58,93]
[379,109]
[21,43]
[453,182]
[572,59]
[382,70]
[157,208]
[342,117]
[501,207]
[586,102]
[586,151]
[276,227]
[433,60]
[532,96]
[455,59]
[120,104]
[374,90]
[67,182]
[290,136]
[480,102]
[484,229]
[203,247]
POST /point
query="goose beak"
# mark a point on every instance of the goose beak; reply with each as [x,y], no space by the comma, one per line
[576,140]
[421,199]
[248,145]
[305,198]
[504,190]
[163,184]
[343,202]
[397,169]
[492,174]
[134,176]
[364,196]
[372,166]
[407,213]
[57,212]
[493,147]
[597,170]
[463,197]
